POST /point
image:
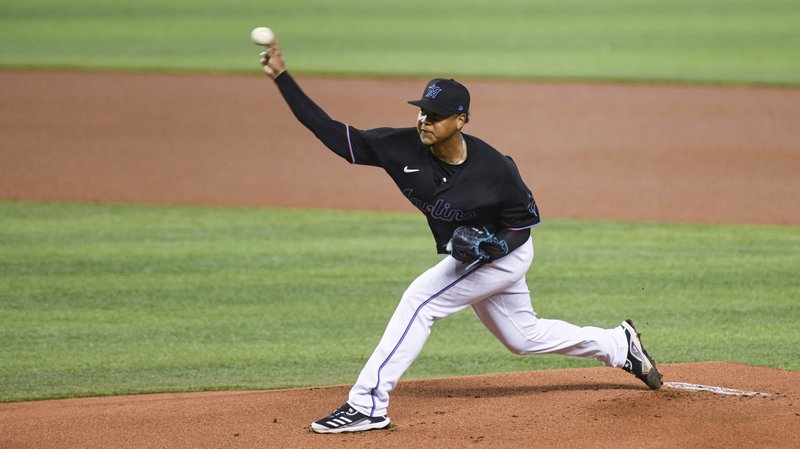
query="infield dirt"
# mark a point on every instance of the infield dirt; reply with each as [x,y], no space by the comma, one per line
[602,151]
[625,152]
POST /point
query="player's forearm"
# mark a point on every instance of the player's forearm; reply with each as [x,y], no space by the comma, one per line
[331,132]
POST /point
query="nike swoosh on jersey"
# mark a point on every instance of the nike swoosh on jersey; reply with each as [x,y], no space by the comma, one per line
[410,170]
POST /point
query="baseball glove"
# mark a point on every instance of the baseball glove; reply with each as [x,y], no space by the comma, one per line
[468,245]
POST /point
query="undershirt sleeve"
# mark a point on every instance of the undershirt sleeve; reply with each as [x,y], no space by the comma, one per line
[514,239]
[339,137]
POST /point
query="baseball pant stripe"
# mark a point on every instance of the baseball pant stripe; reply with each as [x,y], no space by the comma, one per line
[408,326]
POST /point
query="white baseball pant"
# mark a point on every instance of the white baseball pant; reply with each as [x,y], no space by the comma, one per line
[501,300]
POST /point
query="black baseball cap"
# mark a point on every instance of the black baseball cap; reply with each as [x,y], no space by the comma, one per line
[444,97]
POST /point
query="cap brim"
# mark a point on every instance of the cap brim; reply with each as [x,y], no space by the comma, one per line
[433,107]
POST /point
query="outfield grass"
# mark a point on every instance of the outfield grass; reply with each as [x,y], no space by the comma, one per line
[103,299]
[730,41]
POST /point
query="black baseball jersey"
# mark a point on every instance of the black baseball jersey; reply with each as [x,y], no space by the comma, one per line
[484,191]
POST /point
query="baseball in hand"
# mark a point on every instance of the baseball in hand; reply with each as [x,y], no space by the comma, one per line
[262,36]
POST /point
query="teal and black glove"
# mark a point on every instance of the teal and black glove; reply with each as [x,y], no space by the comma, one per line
[469,245]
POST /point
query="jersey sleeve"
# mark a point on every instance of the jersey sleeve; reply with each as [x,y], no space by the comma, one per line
[346,141]
[519,209]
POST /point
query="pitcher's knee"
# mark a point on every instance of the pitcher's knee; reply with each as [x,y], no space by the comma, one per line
[517,351]
[518,345]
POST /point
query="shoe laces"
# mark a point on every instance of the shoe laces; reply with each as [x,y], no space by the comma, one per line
[346,409]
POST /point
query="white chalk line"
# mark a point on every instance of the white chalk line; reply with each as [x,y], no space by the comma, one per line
[713,389]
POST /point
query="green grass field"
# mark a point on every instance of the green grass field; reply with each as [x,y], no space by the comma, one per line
[105,299]
[715,41]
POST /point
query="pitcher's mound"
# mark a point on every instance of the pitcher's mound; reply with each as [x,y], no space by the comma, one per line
[708,405]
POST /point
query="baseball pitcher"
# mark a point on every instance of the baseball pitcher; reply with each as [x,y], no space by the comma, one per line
[480,213]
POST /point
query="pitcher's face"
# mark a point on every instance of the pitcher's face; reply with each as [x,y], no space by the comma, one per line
[434,128]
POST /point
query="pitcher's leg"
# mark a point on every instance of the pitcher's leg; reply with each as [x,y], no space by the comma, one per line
[442,290]
[435,294]
[510,317]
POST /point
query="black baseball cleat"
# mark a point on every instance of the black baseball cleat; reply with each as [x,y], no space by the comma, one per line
[348,419]
[639,363]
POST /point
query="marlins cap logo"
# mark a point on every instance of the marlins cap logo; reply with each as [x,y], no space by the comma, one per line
[433,91]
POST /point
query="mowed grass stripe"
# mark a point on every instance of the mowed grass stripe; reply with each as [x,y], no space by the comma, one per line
[728,41]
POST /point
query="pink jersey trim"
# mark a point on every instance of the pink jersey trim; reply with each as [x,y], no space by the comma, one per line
[524,227]
[350,145]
